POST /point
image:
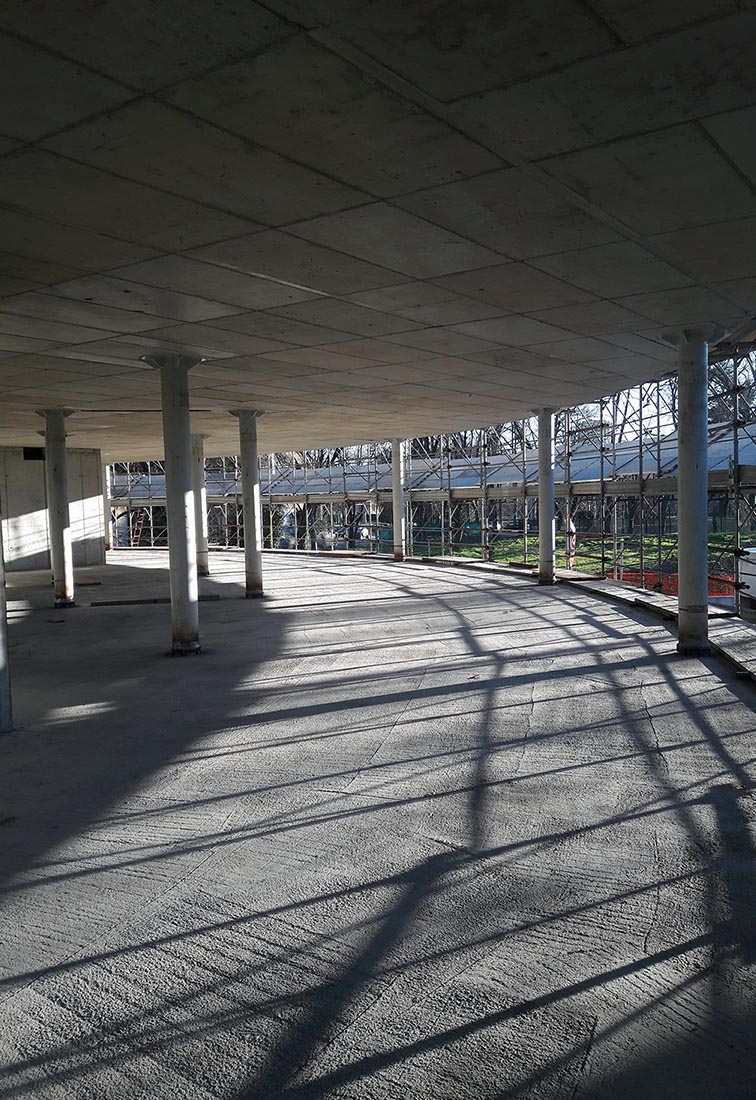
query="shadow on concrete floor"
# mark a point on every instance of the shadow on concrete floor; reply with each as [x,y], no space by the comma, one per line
[484,841]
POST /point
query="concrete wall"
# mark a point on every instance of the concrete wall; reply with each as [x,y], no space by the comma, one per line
[24,511]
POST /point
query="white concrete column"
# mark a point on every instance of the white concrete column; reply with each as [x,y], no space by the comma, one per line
[58,519]
[6,711]
[179,496]
[546,501]
[693,485]
[397,499]
[106,507]
[250,471]
[200,502]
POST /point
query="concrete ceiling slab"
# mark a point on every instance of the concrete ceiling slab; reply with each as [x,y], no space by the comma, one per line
[316,357]
[107,290]
[191,276]
[613,270]
[14,343]
[701,70]
[195,337]
[451,50]
[41,92]
[91,199]
[376,218]
[580,350]
[511,212]
[151,143]
[516,287]
[731,132]
[592,318]
[9,285]
[425,302]
[286,329]
[635,21]
[22,273]
[34,328]
[132,42]
[334,116]
[640,345]
[397,240]
[515,330]
[284,258]
[742,292]
[378,351]
[657,182]
[444,341]
[48,251]
[53,307]
[347,317]
[684,305]
[713,253]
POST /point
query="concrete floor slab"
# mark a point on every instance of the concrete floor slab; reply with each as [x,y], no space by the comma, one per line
[398,831]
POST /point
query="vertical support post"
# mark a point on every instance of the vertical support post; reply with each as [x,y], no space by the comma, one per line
[250,473]
[200,502]
[179,497]
[59,522]
[6,710]
[546,524]
[615,513]
[397,498]
[736,491]
[570,539]
[641,491]
[107,533]
[485,544]
[524,491]
[693,486]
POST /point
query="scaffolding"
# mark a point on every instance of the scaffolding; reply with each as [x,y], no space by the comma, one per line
[474,493]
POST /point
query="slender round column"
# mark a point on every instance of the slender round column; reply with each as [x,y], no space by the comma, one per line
[106,507]
[58,518]
[546,496]
[6,710]
[200,502]
[250,471]
[693,485]
[179,496]
[397,499]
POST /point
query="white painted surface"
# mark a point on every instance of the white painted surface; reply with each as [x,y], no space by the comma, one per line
[692,494]
[58,517]
[250,471]
[546,536]
[200,502]
[179,494]
[397,499]
[24,508]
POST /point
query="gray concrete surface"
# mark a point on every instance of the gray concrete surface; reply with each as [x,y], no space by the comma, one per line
[408,216]
[399,832]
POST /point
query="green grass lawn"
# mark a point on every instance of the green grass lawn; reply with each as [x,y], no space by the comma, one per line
[588,552]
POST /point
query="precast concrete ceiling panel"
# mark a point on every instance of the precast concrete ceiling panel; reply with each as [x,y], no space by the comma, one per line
[155,144]
[283,258]
[149,44]
[370,218]
[334,116]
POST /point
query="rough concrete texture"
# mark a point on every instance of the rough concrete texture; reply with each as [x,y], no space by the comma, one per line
[399,831]
[407,216]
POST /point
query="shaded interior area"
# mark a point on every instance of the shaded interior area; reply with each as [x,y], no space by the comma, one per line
[399,830]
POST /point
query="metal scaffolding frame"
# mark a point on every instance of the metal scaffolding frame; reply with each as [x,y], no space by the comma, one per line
[475,492]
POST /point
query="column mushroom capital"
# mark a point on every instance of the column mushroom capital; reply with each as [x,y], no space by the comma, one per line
[177,360]
[709,332]
[64,409]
